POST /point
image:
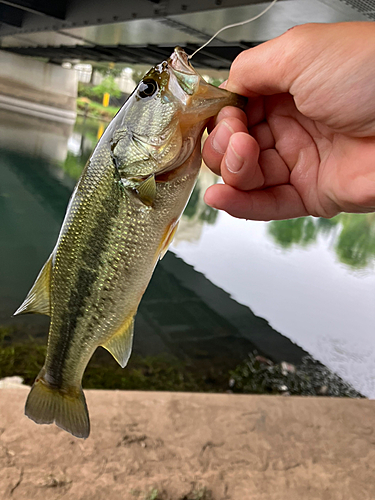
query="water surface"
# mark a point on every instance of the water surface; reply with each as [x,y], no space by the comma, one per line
[308,280]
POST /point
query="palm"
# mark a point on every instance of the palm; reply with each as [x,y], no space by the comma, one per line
[330,171]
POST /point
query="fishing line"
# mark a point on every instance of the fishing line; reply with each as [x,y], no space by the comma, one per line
[233,26]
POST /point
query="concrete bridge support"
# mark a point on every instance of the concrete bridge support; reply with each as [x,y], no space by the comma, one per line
[37,88]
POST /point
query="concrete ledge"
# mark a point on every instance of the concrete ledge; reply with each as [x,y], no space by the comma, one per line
[37,88]
[37,110]
[238,447]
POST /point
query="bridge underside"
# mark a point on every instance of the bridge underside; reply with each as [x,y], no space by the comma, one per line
[144,31]
[216,57]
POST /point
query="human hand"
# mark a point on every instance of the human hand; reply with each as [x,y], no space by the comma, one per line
[305,144]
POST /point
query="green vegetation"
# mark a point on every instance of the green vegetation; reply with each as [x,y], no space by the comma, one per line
[24,359]
[164,373]
[107,85]
[152,495]
[196,493]
[152,373]
[356,243]
[94,109]
[90,98]
[310,378]
[287,233]
[72,166]
[85,90]
[75,162]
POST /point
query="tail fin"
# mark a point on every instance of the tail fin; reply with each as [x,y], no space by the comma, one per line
[46,405]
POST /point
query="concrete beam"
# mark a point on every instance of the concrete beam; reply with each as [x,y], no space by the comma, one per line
[10,16]
[37,88]
[96,12]
[55,9]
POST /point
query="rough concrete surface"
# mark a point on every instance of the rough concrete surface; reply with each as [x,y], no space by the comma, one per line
[192,446]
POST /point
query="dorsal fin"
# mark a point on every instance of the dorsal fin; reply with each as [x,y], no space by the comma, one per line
[38,299]
[121,342]
[147,191]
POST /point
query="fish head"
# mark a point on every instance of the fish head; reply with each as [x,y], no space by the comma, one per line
[198,99]
[159,126]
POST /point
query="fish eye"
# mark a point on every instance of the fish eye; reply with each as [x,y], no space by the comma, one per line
[147,88]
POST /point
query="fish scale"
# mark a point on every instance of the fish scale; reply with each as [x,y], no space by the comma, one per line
[120,221]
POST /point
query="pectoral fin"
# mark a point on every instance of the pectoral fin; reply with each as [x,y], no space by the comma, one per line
[38,299]
[147,191]
[120,344]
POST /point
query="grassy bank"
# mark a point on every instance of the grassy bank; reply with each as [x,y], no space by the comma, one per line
[92,109]
[255,375]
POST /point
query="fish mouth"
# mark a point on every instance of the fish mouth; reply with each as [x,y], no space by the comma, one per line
[201,99]
[179,61]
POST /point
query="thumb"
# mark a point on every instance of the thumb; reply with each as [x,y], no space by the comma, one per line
[271,67]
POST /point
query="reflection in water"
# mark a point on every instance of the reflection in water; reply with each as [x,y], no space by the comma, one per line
[80,145]
[302,292]
[100,130]
[302,231]
[354,236]
[197,213]
[34,193]
[34,137]
[356,241]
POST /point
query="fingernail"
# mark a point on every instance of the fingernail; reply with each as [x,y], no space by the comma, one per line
[233,160]
[221,138]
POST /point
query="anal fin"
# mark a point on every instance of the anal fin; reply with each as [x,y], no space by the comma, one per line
[38,299]
[121,343]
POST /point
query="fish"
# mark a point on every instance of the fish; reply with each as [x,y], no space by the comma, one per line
[120,221]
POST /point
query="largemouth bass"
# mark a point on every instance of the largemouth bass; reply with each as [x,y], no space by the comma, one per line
[120,221]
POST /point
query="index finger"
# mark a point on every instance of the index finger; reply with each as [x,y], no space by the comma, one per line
[227,112]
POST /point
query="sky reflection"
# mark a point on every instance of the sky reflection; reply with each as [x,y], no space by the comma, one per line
[312,279]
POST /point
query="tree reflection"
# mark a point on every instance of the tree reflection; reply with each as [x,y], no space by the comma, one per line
[196,207]
[353,234]
[356,242]
[86,131]
[193,203]
[287,233]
